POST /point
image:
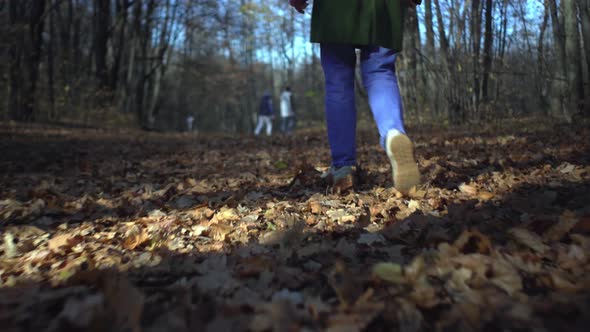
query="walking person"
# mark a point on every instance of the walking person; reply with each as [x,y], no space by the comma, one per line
[375,27]
[190,119]
[265,115]
[287,112]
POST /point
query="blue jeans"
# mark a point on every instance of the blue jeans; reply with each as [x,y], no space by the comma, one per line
[380,81]
[288,124]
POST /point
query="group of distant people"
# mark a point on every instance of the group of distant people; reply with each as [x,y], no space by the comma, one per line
[266,113]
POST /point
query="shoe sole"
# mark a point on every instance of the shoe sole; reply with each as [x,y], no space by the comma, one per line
[404,167]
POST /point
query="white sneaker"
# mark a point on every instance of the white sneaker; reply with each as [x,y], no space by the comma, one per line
[400,151]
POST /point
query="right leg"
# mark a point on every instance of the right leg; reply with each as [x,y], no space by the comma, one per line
[268,121]
[284,123]
[291,124]
[338,62]
[379,78]
[258,126]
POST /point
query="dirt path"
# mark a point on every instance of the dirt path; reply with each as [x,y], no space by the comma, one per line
[127,231]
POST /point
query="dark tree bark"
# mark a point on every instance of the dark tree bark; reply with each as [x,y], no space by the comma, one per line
[15,81]
[559,41]
[50,62]
[102,21]
[584,6]
[476,48]
[572,53]
[122,7]
[487,50]
[25,57]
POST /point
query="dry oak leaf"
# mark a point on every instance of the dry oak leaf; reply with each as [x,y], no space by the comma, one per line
[567,221]
[356,318]
[315,207]
[134,237]
[529,239]
[228,214]
[219,232]
[63,241]
[390,272]
[468,189]
[408,317]
[505,276]
[346,284]
[485,195]
[124,302]
[583,225]
[473,241]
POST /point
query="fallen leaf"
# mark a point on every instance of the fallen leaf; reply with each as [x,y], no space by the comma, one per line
[134,237]
[505,276]
[567,221]
[413,205]
[485,195]
[10,250]
[355,319]
[227,214]
[468,189]
[315,207]
[252,266]
[390,272]
[568,168]
[124,302]
[583,225]
[63,242]
[345,284]
[473,241]
[370,239]
[219,232]
[528,239]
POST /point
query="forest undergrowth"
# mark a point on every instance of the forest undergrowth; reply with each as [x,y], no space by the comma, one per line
[113,230]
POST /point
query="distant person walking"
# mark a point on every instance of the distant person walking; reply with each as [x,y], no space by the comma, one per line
[287,112]
[265,115]
[190,119]
[375,27]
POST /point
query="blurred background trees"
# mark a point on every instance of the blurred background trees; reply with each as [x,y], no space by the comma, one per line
[151,63]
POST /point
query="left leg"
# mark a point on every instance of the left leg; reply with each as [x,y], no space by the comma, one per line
[338,63]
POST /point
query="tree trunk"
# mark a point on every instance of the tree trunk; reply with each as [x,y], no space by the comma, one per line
[122,7]
[475,34]
[487,51]
[446,65]
[162,54]
[584,6]
[410,61]
[572,53]
[541,66]
[428,22]
[429,81]
[26,46]
[50,65]
[15,75]
[102,32]
[559,42]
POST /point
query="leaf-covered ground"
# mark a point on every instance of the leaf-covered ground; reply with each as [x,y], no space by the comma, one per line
[128,231]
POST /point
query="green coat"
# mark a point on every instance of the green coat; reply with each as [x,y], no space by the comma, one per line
[359,22]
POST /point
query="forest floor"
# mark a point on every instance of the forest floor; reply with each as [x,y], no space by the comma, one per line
[107,230]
